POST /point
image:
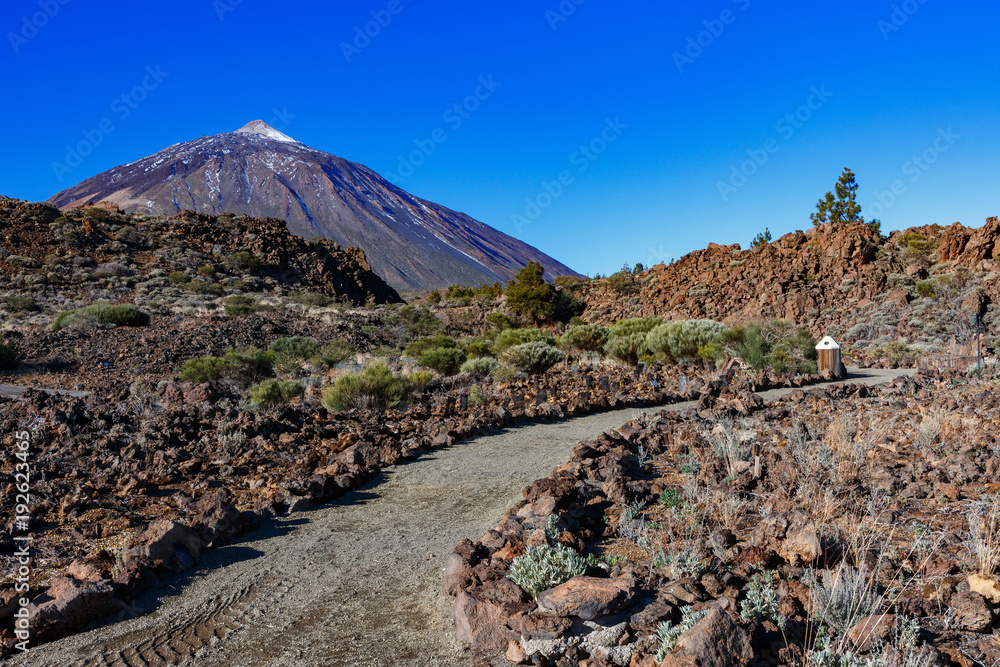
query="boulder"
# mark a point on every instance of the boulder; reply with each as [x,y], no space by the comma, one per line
[986,585]
[879,627]
[792,535]
[172,543]
[588,597]
[458,575]
[68,605]
[716,641]
[481,623]
[971,612]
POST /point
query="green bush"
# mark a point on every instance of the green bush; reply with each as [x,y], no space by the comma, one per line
[419,379]
[10,354]
[508,338]
[627,348]
[585,338]
[418,347]
[445,360]
[501,320]
[242,366]
[678,340]
[534,357]
[206,270]
[300,347]
[375,388]
[775,344]
[204,287]
[925,288]
[313,299]
[418,321]
[120,315]
[289,353]
[480,366]
[434,297]
[335,352]
[636,325]
[541,568]
[566,306]
[239,304]
[244,260]
[21,304]
[275,392]
[479,346]
[178,277]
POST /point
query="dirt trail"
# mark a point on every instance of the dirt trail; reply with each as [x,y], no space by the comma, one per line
[355,582]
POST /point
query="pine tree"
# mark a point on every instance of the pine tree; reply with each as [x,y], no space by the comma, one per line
[844,207]
[529,294]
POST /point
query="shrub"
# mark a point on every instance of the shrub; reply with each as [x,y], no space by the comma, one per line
[566,306]
[242,366]
[205,287]
[375,388]
[622,282]
[418,321]
[669,634]
[21,304]
[434,297]
[289,353]
[244,260]
[925,288]
[500,320]
[445,360]
[99,214]
[206,270]
[300,347]
[239,304]
[535,357]
[776,344]
[276,392]
[681,339]
[541,568]
[314,299]
[121,315]
[479,347]
[418,347]
[178,277]
[508,338]
[627,348]
[846,596]
[480,366]
[585,337]
[529,295]
[419,379]
[335,352]
[636,325]
[10,354]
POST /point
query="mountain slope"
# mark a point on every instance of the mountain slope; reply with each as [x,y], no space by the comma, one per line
[258,171]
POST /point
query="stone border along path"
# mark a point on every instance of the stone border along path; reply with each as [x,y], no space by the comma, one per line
[353,582]
[13,391]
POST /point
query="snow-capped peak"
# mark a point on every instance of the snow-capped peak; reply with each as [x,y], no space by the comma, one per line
[263,129]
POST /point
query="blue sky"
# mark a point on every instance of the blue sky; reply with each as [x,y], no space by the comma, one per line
[602,133]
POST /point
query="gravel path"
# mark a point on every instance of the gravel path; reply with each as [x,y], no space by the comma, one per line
[355,582]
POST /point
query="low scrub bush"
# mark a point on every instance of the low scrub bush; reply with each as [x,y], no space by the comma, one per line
[501,320]
[21,304]
[375,388]
[244,260]
[241,366]
[206,288]
[311,299]
[178,277]
[776,344]
[445,360]
[541,568]
[275,392]
[480,346]
[669,634]
[335,352]
[627,348]
[418,347]
[480,366]
[679,340]
[641,325]
[290,352]
[535,357]
[239,304]
[120,315]
[10,354]
[509,338]
[585,338]
[418,321]
[419,379]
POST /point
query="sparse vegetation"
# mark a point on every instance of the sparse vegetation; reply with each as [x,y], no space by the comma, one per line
[445,360]
[375,388]
[543,567]
[241,366]
[275,392]
[122,315]
[534,357]
[10,354]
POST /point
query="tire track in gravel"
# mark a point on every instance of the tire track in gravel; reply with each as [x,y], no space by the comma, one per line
[354,582]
